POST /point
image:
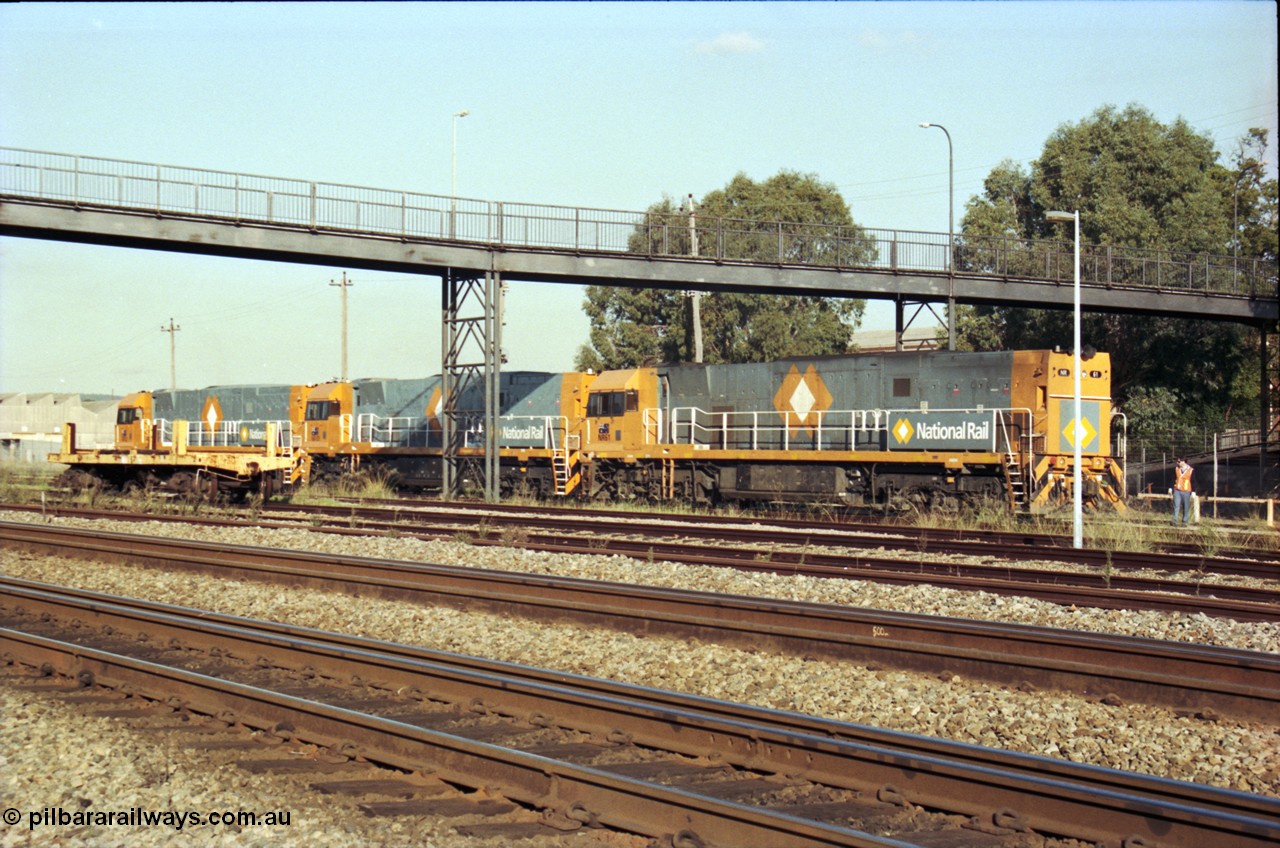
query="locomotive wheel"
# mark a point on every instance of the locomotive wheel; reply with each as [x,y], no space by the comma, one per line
[80,481]
[182,482]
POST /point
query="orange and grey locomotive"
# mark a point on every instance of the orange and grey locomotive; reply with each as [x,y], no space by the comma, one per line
[888,431]
[922,429]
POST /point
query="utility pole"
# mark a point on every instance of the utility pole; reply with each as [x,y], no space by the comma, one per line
[695,296]
[172,330]
[342,287]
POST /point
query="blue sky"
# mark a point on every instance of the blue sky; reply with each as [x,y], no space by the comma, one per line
[608,105]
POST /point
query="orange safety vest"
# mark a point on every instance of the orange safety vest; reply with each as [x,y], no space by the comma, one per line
[1183,480]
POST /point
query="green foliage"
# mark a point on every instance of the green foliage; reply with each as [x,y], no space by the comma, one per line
[1253,199]
[789,218]
[1137,183]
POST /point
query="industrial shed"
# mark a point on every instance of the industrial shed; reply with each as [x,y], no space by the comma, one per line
[31,423]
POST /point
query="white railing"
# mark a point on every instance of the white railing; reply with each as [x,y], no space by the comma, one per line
[548,432]
[359,210]
[391,431]
[847,430]
[200,434]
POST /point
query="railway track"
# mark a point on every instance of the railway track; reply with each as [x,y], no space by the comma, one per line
[1196,678]
[893,532]
[1212,552]
[538,748]
[1010,546]
[1107,588]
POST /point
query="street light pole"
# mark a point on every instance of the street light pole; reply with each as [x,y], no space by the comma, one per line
[453,175]
[951,232]
[695,297]
[1077,517]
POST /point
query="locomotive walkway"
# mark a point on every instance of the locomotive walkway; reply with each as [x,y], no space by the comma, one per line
[104,201]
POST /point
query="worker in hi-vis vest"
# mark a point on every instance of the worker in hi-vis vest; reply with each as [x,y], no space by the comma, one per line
[1182,492]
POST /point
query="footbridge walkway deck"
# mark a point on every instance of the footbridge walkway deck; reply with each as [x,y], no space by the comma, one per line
[106,201]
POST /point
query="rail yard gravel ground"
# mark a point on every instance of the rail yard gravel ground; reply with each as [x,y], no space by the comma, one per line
[1129,737]
[55,754]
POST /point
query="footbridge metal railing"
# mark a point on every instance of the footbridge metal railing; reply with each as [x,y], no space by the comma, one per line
[373,212]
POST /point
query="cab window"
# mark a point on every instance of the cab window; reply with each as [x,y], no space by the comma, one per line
[127,414]
[322,410]
[612,404]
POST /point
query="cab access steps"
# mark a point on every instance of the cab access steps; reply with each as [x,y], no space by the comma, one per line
[564,469]
[1015,483]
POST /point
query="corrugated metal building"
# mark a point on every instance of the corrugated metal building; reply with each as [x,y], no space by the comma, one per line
[31,423]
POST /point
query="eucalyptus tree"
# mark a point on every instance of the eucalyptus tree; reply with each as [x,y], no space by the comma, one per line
[790,218]
[1138,183]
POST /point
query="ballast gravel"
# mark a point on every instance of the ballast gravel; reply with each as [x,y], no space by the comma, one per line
[924,599]
[1129,737]
[75,778]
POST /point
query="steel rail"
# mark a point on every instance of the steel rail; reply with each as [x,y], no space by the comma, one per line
[625,803]
[850,523]
[1244,603]
[1242,684]
[1103,591]
[1153,809]
[1253,563]
[1015,545]
[1224,800]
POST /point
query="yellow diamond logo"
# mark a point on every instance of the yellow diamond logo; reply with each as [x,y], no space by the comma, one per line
[1085,430]
[903,431]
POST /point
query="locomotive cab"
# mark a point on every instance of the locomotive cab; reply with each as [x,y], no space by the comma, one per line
[615,404]
[326,418]
[1044,382]
[134,417]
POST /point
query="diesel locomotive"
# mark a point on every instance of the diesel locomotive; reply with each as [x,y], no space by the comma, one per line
[892,431]
[233,440]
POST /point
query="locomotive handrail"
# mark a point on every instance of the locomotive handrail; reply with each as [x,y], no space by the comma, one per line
[231,433]
[246,198]
[832,429]
[382,431]
[201,434]
[1122,455]
[390,431]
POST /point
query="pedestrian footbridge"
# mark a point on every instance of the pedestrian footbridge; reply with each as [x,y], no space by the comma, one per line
[88,199]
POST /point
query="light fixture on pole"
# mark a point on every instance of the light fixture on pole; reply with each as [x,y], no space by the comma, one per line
[951,231]
[453,185]
[453,175]
[1077,428]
